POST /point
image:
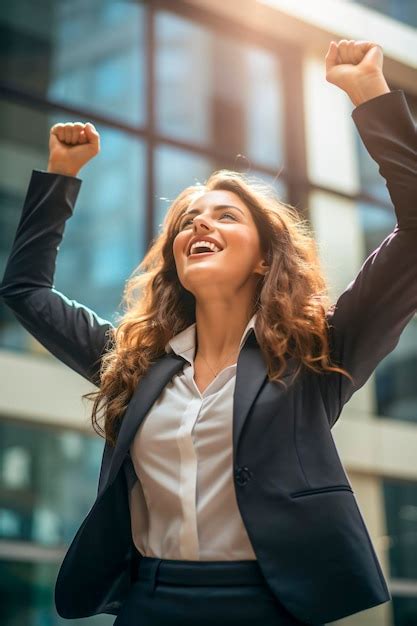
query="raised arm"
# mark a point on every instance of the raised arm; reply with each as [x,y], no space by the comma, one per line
[368,318]
[69,330]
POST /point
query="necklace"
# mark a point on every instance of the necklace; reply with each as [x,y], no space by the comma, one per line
[216,373]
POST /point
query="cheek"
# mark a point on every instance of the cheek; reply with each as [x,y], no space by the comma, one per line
[178,245]
[244,235]
[246,244]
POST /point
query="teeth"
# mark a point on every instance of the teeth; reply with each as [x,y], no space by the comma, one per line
[207,244]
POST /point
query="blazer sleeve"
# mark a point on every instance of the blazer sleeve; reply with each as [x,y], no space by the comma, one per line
[366,322]
[70,331]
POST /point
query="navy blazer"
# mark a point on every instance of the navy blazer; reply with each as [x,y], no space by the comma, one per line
[294,496]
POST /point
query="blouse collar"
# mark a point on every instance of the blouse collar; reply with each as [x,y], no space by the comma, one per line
[184,342]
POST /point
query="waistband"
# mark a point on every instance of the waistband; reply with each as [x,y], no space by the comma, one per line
[200,572]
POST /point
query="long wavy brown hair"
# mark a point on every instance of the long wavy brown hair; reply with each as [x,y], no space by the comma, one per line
[291,300]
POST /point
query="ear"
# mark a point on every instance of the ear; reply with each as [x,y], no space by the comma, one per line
[262,268]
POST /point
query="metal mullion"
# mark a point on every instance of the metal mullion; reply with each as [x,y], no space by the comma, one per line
[26,98]
[404,587]
[294,131]
[15,550]
[41,423]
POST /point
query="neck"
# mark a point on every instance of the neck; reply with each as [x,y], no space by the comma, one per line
[219,329]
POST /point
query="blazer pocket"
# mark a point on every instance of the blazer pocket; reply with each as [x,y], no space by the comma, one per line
[309,492]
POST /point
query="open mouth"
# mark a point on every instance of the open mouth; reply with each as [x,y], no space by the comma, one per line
[203,253]
[203,249]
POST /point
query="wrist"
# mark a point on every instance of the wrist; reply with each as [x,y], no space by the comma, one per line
[56,168]
[368,87]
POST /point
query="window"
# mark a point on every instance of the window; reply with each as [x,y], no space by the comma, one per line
[105,237]
[174,170]
[47,479]
[401,515]
[216,92]
[86,55]
[168,117]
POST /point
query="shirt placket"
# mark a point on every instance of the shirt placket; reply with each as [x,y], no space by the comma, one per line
[189,544]
[189,547]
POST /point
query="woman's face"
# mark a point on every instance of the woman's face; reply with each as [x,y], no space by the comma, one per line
[223,217]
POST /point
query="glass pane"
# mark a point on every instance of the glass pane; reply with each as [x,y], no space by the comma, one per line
[27,597]
[92,58]
[395,377]
[275,182]
[104,238]
[401,517]
[264,108]
[404,611]
[336,226]
[174,170]
[401,10]
[183,78]
[213,90]
[48,481]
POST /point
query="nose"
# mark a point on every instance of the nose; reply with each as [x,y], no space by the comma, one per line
[201,222]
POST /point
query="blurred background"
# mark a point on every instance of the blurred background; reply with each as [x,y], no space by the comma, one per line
[177,89]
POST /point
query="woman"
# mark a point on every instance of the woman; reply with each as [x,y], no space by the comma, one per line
[229,503]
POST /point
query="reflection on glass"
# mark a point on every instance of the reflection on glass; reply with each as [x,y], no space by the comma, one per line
[47,483]
[214,90]
[174,170]
[183,78]
[104,239]
[92,58]
[264,108]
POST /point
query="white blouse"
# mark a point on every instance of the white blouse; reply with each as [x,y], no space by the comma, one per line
[181,493]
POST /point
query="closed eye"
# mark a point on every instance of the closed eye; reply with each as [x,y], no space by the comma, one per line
[222,215]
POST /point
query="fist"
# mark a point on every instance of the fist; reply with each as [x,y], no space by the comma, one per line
[72,145]
[351,62]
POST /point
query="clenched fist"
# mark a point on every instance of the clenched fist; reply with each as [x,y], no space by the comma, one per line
[72,145]
[356,67]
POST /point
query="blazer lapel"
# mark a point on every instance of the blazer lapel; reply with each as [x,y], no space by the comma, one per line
[147,391]
[251,372]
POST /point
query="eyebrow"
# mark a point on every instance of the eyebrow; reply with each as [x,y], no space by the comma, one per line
[217,207]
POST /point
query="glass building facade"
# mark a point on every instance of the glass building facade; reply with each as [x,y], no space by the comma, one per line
[404,11]
[175,93]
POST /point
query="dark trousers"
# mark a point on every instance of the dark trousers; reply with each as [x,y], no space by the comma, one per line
[209,593]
